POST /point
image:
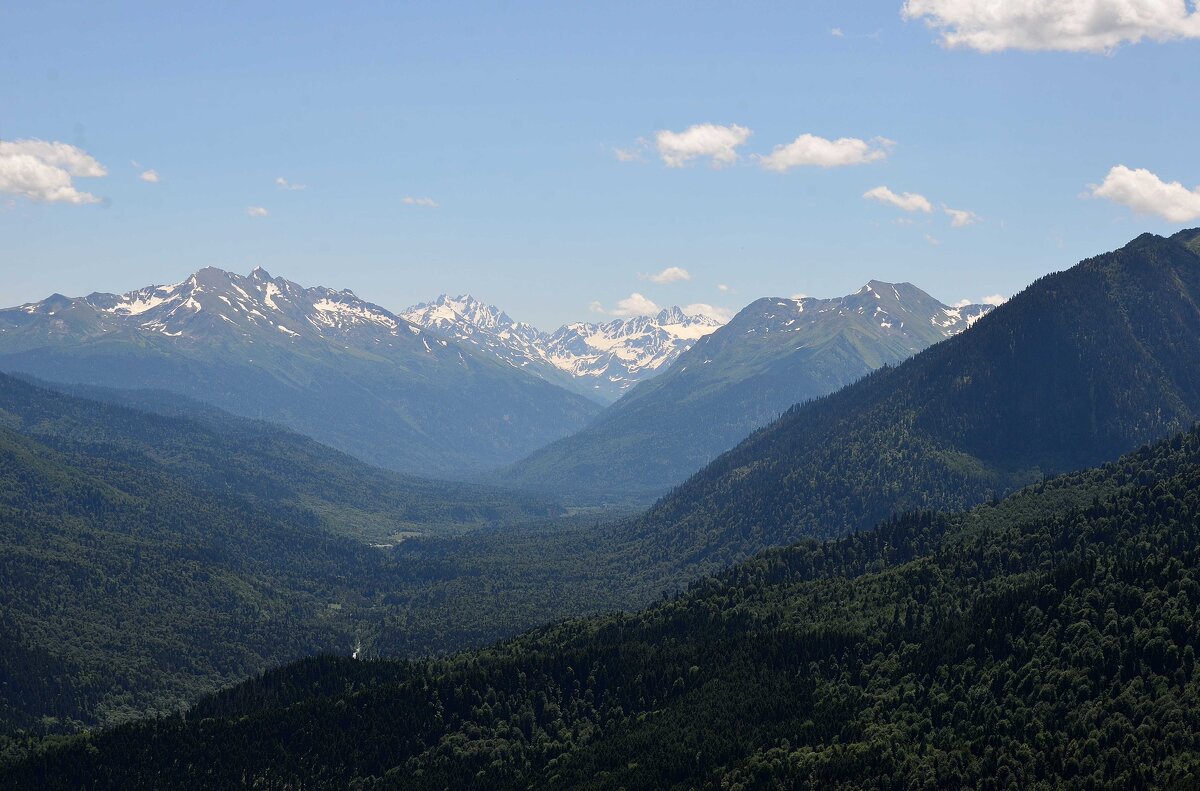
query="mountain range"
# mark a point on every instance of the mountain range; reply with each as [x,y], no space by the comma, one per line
[599,360]
[774,353]
[326,363]
[1081,366]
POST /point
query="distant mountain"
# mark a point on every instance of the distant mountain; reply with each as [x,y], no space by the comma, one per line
[774,353]
[323,362]
[601,361]
[1080,367]
[1046,641]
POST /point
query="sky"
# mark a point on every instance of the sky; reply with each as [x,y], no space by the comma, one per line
[570,161]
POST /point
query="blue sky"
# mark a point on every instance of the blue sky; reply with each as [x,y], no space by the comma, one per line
[509,116]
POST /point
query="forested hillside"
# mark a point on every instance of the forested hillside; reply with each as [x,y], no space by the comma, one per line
[1045,640]
[218,452]
[1077,369]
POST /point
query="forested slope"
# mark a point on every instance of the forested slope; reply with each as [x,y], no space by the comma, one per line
[1045,640]
[1080,367]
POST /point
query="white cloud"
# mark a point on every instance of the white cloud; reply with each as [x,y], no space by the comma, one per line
[961,218]
[723,288]
[812,150]
[1146,193]
[908,201]
[671,274]
[426,202]
[993,299]
[933,240]
[712,311]
[287,185]
[635,305]
[1070,25]
[42,171]
[149,176]
[256,211]
[837,32]
[718,143]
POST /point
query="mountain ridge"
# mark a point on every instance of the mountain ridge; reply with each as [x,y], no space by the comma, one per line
[773,353]
[1079,367]
[323,362]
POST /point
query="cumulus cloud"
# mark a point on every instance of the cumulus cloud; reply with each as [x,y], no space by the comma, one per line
[409,200]
[287,185]
[908,201]
[837,32]
[723,288]
[717,143]
[1146,193]
[633,305]
[256,211]
[1069,25]
[933,240]
[671,274]
[149,176]
[817,151]
[992,299]
[722,315]
[961,218]
[42,170]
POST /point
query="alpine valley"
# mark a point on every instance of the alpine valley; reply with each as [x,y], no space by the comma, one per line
[974,569]
[579,489]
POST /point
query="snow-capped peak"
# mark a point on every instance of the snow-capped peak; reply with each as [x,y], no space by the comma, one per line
[214,301]
[602,360]
[900,311]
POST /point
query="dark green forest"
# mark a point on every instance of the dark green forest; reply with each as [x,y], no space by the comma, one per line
[1043,640]
[146,559]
